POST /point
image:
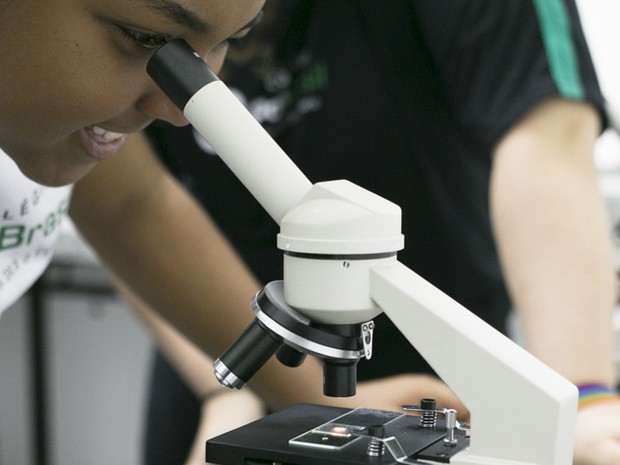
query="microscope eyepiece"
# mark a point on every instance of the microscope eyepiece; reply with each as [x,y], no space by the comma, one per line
[179,71]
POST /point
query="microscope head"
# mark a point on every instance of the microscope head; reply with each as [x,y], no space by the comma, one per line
[330,241]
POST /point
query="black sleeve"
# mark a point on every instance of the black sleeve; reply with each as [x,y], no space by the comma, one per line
[497,59]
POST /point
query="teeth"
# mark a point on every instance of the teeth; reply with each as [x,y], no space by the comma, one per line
[106,136]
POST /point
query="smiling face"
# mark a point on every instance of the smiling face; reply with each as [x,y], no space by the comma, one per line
[73,73]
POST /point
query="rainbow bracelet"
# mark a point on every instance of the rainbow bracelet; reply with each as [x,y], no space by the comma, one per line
[593,394]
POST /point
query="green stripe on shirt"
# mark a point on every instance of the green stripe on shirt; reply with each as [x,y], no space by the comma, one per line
[560,48]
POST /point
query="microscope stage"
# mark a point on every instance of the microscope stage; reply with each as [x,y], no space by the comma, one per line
[308,434]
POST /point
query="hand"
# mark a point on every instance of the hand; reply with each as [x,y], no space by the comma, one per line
[392,392]
[222,412]
[597,435]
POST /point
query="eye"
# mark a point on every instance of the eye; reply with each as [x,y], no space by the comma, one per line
[226,43]
[235,39]
[144,40]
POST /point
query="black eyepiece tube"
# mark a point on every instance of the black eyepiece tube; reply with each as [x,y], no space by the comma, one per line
[339,377]
[245,356]
[179,71]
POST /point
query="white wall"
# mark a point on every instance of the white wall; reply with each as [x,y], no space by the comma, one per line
[601,20]
[97,359]
[15,413]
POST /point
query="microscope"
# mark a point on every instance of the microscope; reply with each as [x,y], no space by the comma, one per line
[339,244]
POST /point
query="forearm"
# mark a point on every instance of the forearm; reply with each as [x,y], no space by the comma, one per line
[192,364]
[195,366]
[160,243]
[554,240]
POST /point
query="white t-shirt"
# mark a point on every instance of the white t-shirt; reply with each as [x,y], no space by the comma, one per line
[30,216]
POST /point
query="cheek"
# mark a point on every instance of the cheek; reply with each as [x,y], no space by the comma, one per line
[68,75]
[48,80]
[97,74]
[93,89]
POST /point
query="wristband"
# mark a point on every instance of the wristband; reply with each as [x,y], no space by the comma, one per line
[593,394]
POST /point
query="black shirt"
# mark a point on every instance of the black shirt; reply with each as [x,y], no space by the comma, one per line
[406,99]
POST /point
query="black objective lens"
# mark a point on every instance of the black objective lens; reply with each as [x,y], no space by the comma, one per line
[339,377]
[246,356]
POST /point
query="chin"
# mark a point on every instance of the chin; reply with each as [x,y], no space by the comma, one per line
[53,165]
[54,175]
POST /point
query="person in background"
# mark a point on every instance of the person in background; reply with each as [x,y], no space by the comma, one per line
[478,118]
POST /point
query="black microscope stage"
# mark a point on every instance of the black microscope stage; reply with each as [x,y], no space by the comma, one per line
[308,434]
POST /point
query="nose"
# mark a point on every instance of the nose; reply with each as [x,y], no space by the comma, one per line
[157,105]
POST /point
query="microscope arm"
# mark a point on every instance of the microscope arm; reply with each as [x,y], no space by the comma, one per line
[507,390]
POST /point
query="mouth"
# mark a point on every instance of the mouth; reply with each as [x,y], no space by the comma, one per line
[104,136]
[100,144]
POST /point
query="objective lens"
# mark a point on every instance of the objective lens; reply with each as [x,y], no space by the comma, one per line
[245,356]
[339,377]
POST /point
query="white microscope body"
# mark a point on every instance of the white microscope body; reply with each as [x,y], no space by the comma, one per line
[340,267]
[491,375]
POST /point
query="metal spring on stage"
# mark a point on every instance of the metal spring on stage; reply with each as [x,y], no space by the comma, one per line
[428,417]
[376,447]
